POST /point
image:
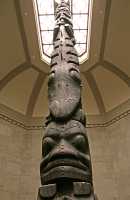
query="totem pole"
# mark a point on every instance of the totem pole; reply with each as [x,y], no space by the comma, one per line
[65,169]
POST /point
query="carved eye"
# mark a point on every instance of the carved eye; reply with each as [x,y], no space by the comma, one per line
[80,143]
[52,73]
[51,77]
[47,145]
[75,74]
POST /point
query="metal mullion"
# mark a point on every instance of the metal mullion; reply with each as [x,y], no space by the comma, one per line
[46,14]
[39,25]
[49,44]
[80,29]
[81,43]
[46,30]
[88,14]
[72,8]
[80,13]
[52,43]
[44,51]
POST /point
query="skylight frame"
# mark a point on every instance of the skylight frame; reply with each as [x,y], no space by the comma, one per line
[47,58]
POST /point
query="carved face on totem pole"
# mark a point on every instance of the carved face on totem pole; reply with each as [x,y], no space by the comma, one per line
[66,164]
[65,152]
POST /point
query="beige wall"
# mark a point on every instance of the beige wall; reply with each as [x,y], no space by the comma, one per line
[19,162]
[20,153]
[110,151]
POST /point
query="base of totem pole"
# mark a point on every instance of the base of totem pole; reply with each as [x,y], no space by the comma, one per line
[66,190]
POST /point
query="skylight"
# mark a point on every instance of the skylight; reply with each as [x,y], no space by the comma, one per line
[81,15]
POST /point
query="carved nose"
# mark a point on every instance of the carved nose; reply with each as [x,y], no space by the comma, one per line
[64,150]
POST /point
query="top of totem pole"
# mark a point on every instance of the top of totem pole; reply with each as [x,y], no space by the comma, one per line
[64,83]
[63,19]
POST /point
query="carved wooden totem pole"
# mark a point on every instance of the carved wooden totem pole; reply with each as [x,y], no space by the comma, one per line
[65,169]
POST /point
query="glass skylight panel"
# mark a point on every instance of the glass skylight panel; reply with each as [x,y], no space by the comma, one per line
[81,16]
[48,49]
[81,48]
[80,36]
[45,6]
[80,6]
[47,22]
[47,36]
[80,22]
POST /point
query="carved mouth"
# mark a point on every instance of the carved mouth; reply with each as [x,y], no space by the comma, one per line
[65,172]
[64,162]
[64,165]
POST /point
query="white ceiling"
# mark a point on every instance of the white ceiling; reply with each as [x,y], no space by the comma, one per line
[105,75]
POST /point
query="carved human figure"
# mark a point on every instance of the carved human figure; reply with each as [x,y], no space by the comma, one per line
[66,165]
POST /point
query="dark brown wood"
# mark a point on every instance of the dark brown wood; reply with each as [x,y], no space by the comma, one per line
[65,170]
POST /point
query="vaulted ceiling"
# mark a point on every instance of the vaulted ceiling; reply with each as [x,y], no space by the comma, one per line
[23,75]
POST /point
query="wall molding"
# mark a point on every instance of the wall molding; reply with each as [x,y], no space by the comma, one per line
[112,121]
[37,123]
[89,125]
